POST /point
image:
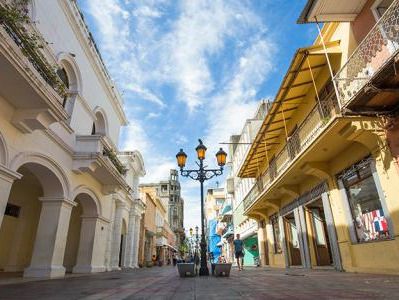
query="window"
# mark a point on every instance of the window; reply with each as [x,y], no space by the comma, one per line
[318,225]
[367,214]
[62,74]
[12,210]
[276,234]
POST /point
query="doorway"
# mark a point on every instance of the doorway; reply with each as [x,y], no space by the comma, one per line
[292,239]
[318,235]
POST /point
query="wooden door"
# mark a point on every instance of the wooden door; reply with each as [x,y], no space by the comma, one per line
[292,240]
[320,236]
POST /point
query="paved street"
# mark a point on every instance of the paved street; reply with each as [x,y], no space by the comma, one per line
[252,283]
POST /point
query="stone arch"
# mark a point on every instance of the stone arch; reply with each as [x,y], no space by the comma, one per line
[83,233]
[67,62]
[90,200]
[51,175]
[42,182]
[140,162]
[101,122]
[3,151]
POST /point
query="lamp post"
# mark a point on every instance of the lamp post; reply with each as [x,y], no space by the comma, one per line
[201,175]
[190,242]
[196,239]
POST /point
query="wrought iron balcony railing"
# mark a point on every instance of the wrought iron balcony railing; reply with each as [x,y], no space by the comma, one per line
[378,48]
[311,127]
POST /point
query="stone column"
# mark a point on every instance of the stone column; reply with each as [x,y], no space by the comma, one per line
[128,262]
[90,247]
[109,232]
[7,178]
[261,244]
[135,261]
[116,235]
[49,249]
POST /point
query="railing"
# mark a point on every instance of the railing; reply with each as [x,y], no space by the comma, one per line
[161,232]
[377,48]
[303,136]
[30,46]
[115,160]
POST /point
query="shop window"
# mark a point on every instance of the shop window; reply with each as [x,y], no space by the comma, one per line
[276,234]
[367,215]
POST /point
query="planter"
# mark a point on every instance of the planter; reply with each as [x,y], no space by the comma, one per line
[186,269]
[222,269]
[149,264]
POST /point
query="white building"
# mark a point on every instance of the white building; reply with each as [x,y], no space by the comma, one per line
[239,188]
[67,197]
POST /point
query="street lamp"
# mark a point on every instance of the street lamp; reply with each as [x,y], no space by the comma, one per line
[190,243]
[202,175]
[196,240]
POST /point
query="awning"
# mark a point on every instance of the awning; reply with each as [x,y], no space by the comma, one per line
[331,11]
[170,246]
[228,233]
[305,65]
[227,210]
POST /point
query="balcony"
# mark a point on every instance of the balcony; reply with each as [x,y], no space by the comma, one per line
[161,232]
[306,133]
[94,155]
[28,81]
[368,80]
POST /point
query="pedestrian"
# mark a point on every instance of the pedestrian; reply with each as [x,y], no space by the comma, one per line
[239,252]
[197,262]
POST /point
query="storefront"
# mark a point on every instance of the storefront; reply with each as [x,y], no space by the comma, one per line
[251,257]
[304,231]
[366,209]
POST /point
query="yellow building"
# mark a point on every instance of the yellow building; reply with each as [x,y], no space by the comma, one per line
[327,184]
[159,241]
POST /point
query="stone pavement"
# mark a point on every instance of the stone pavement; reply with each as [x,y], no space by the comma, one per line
[252,283]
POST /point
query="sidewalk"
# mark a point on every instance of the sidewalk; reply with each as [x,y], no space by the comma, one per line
[252,283]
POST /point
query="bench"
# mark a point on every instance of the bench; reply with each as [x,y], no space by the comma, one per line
[186,268]
[222,269]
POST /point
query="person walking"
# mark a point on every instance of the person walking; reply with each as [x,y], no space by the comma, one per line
[239,252]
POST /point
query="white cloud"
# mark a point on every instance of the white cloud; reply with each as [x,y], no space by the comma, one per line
[236,102]
[200,31]
[135,138]
[152,115]
[143,57]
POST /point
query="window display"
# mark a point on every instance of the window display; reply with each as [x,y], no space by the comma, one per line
[365,204]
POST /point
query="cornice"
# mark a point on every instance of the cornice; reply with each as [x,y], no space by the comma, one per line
[79,26]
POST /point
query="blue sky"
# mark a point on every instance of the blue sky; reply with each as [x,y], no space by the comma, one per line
[192,69]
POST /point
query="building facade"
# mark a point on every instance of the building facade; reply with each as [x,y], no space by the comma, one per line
[238,188]
[159,240]
[169,191]
[323,159]
[69,199]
